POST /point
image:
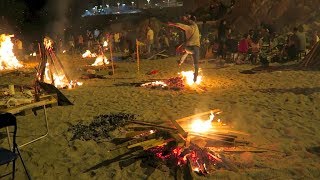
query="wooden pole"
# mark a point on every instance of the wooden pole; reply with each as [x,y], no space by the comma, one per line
[111,57]
[138,55]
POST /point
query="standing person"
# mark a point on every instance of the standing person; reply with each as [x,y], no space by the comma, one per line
[89,39]
[116,37]
[222,37]
[192,41]
[302,41]
[19,47]
[80,42]
[150,39]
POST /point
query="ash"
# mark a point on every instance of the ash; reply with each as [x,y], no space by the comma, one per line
[100,127]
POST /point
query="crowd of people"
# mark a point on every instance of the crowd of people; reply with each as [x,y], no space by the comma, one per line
[259,45]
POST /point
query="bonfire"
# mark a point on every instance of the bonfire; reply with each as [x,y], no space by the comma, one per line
[8,60]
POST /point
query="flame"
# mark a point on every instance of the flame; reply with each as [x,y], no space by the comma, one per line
[33,54]
[188,76]
[48,44]
[7,58]
[59,80]
[105,44]
[64,51]
[100,60]
[202,126]
[88,54]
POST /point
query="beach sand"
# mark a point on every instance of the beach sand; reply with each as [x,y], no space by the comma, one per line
[280,109]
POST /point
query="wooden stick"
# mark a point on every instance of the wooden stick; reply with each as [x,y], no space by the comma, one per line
[16,110]
[138,55]
[237,150]
[179,128]
[60,63]
[153,125]
[143,143]
[111,57]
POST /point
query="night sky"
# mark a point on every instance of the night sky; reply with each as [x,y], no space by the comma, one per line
[35,5]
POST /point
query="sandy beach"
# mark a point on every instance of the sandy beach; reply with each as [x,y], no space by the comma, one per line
[278,108]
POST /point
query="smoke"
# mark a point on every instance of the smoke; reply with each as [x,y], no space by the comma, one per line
[58,11]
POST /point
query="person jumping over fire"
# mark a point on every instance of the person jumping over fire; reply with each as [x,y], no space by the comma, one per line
[192,40]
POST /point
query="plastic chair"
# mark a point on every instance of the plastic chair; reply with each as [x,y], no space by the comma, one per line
[6,155]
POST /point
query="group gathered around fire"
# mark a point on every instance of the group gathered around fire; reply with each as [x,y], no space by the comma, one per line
[193,39]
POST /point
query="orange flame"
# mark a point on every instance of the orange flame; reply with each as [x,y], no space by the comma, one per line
[188,76]
[201,126]
[7,58]
[58,80]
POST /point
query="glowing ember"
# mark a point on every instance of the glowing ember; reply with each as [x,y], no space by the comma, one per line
[88,54]
[156,83]
[201,126]
[7,58]
[188,76]
[64,51]
[100,60]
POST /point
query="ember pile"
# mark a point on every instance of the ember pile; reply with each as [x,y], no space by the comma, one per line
[100,127]
[185,79]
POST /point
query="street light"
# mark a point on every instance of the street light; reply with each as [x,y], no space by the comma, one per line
[118,5]
[148,1]
[132,3]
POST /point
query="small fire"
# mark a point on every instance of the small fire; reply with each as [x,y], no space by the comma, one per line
[105,44]
[88,54]
[201,126]
[33,54]
[188,76]
[7,58]
[100,60]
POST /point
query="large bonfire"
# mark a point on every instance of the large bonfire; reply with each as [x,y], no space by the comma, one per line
[7,58]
